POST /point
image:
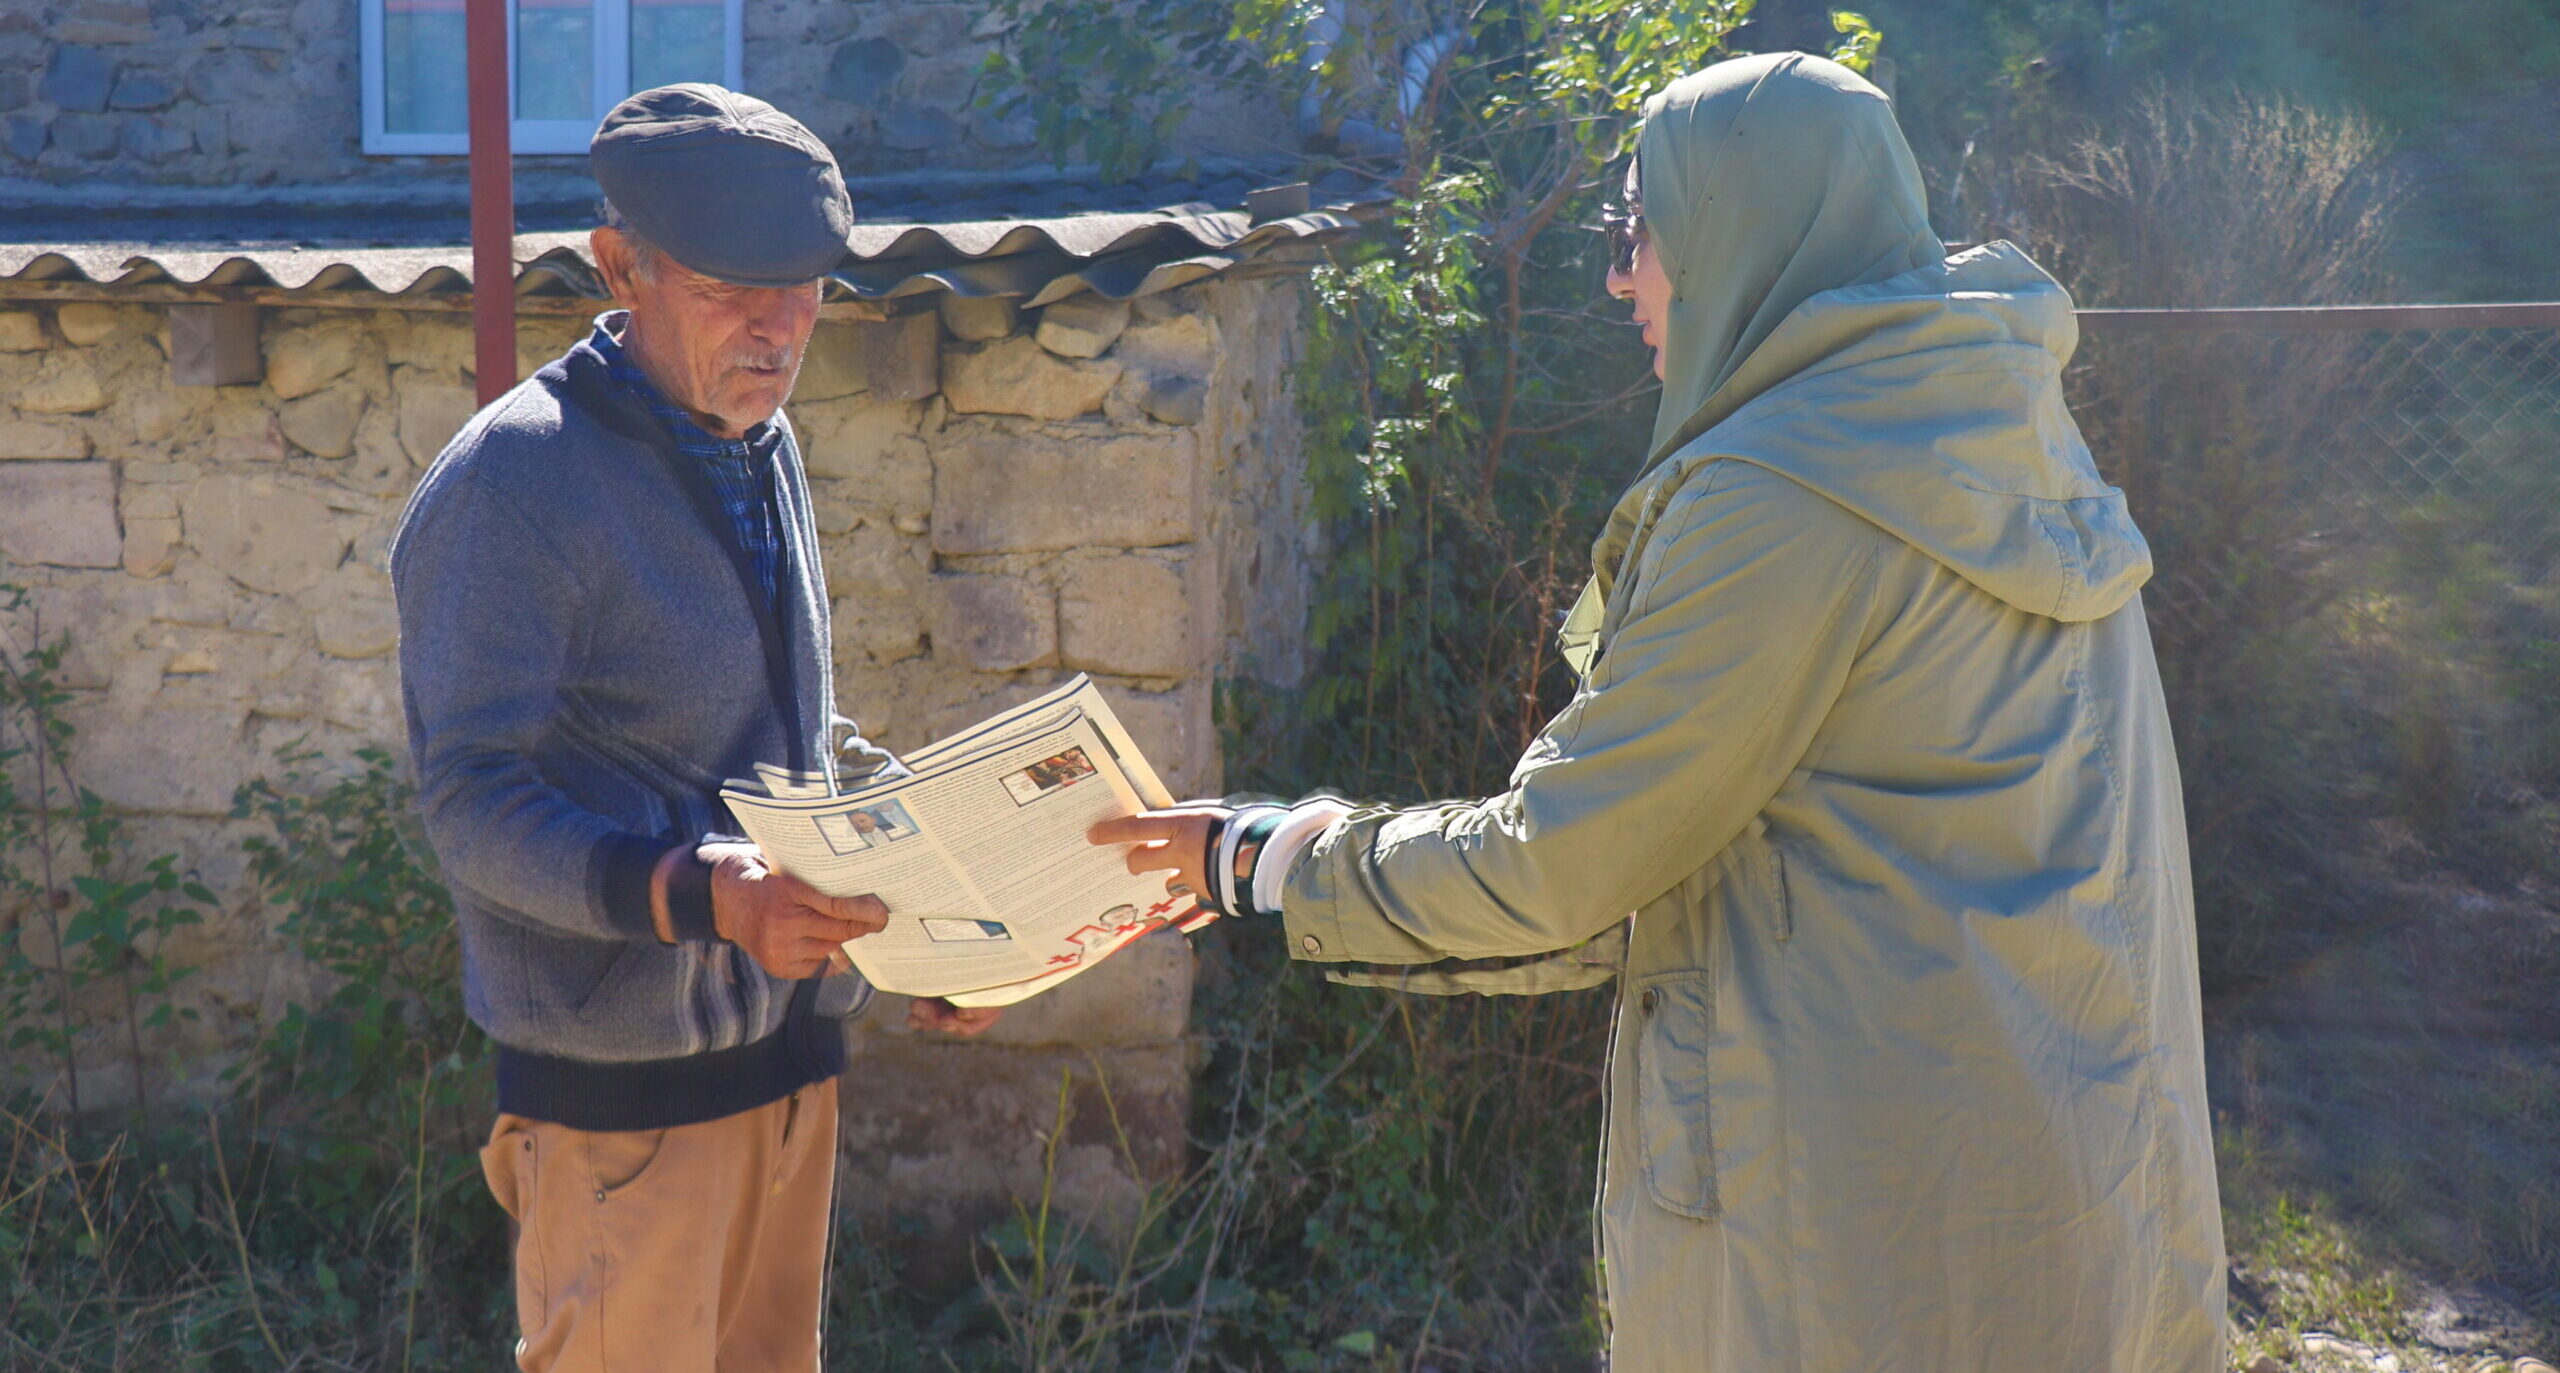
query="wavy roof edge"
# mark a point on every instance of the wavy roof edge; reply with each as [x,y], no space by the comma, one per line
[1038,259]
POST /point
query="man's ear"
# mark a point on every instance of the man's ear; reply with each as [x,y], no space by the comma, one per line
[614,261]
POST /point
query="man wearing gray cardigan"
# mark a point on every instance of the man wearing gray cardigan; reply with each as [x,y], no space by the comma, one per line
[610,600]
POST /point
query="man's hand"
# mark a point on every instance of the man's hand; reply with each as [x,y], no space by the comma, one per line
[941,1017]
[791,929]
[1173,842]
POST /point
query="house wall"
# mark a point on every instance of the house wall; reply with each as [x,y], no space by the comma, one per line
[1110,488]
[266,93]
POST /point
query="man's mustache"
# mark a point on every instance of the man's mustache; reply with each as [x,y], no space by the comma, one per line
[773,360]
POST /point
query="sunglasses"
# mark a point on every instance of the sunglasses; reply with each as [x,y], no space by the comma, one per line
[1625,229]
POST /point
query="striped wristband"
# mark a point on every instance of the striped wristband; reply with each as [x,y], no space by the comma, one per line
[1245,828]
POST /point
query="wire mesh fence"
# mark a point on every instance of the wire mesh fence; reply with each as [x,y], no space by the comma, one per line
[2355,514]
[2469,419]
[2443,411]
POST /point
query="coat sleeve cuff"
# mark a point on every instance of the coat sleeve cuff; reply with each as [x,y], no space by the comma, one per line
[622,865]
[689,900]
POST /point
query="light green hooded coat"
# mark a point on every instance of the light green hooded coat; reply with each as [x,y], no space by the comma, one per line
[1907,1073]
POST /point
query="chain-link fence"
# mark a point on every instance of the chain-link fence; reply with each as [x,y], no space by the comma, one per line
[2440,411]
[2355,512]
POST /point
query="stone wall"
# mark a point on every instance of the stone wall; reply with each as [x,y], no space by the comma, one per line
[258,93]
[1113,488]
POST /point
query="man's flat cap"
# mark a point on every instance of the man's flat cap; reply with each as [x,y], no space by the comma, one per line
[725,184]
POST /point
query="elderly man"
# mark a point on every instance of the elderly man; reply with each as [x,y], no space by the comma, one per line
[611,599]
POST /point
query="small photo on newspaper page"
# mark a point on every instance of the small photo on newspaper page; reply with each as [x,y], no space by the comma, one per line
[1049,775]
[866,827]
[951,930]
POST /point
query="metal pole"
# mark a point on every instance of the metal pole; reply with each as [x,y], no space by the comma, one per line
[493,201]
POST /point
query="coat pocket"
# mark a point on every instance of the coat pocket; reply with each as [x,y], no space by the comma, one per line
[1674,1116]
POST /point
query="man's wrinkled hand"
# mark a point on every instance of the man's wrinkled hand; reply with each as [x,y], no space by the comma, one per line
[791,929]
[933,1014]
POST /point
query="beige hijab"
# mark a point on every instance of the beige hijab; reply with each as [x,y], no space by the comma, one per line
[1766,181]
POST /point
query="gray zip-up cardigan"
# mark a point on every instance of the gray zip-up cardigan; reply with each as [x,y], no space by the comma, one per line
[583,662]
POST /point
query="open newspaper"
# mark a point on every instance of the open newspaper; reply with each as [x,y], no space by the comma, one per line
[980,853]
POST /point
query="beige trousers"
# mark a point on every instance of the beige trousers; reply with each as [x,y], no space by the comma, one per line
[696,1249]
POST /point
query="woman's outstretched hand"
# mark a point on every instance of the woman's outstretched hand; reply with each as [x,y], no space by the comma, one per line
[1173,842]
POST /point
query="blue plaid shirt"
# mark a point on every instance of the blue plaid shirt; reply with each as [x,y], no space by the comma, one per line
[741,469]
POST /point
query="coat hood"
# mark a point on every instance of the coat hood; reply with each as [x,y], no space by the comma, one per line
[1929,404]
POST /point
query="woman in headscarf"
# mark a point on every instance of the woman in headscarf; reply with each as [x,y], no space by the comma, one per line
[1907,1071]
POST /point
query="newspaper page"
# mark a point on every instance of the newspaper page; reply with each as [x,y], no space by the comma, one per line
[980,853]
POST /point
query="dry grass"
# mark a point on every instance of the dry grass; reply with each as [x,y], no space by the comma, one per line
[2389,1129]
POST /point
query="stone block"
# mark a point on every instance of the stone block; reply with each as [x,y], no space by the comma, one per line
[146,139]
[1002,131]
[1140,995]
[323,424]
[1184,345]
[1016,376]
[79,78]
[1082,326]
[112,11]
[89,137]
[910,129]
[1031,493]
[994,623]
[88,322]
[212,132]
[438,346]
[1126,614]
[225,78]
[65,385]
[151,544]
[138,89]
[902,357]
[60,513]
[263,534]
[41,441]
[881,586]
[1170,399]
[928,30]
[860,72]
[27,135]
[154,757]
[160,414]
[430,415]
[260,443]
[872,444]
[101,33]
[977,319]
[1177,733]
[832,366]
[22,331]
[301,361]
[353,615]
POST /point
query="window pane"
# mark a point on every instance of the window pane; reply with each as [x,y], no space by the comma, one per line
[676,40]
[423,68]
[555,59]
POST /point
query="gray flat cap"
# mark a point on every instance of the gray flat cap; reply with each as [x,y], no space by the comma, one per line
[725,184]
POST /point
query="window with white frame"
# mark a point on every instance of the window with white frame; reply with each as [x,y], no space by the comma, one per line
[569,61]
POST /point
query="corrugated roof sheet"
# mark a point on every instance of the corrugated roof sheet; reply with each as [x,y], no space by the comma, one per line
[1038,241]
